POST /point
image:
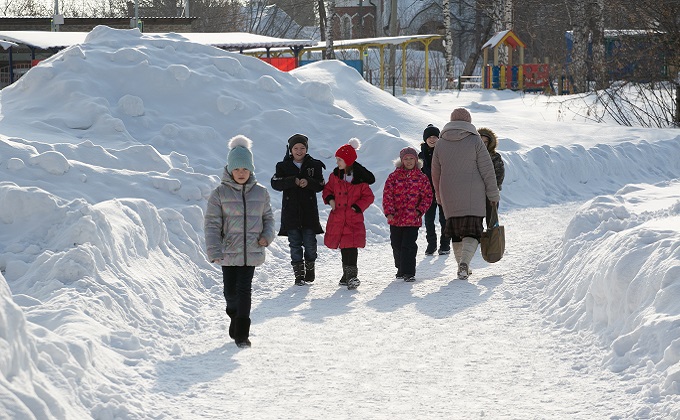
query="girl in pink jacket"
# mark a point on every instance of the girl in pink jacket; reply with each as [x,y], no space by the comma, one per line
[407,195]
[349,195]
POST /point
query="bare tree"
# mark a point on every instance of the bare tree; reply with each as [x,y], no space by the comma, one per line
[330,13]
[448,44]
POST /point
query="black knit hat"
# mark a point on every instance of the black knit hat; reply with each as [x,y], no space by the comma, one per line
[430,131]
[298,138]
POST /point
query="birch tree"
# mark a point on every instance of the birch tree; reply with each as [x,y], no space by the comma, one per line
[448,44]
[330,12]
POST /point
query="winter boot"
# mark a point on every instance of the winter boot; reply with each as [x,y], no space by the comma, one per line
[444,245]
[242,332]
[309,271]
[463,271]
[431,247]
[343,279]
[232,314]
[299,270]
[351,272]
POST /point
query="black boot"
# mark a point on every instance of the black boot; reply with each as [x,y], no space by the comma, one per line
[444,245]
[431,247]
[232,314]
[242,332]
[343,279]
[299,271]
[351,273]
[309,271]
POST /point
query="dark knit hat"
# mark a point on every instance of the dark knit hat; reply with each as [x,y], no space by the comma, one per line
[461,114]
[430,131]
[298,138]
[408,151]
[240,155]
[347,152]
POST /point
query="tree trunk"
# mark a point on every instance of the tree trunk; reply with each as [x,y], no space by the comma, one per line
[322,24]
[472,60]
[394,25]
[579,50]
[448,48]
[596,24]
[677,105]
[330,54]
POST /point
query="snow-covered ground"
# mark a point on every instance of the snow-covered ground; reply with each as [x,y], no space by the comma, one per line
[109,308]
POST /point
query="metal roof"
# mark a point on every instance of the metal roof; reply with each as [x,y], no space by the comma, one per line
[364,42]
[7,44]
[225,40]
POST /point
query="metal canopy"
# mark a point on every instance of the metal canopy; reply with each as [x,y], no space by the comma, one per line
[225,40]
[362,44]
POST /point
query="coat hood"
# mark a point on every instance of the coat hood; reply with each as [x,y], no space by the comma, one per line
[487,132]
[457,130]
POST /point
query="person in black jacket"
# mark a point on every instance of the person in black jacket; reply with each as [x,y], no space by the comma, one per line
[300,177]
[430,137]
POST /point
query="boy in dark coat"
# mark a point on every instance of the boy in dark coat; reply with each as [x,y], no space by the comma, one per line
[300,177]
[430,137]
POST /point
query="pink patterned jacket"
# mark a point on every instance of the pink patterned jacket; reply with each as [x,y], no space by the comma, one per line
[407,195]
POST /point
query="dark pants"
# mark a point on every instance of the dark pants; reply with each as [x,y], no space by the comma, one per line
[237,289]
[431,232]
[350,256]
[404,248]
[299,238]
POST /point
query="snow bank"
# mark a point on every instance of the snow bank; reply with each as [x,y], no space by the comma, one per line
[616,274]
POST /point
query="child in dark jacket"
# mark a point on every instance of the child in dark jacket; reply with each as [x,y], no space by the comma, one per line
[430,137]
[406,196]
[491,142]
[349,195]
[239,225]
[300,177]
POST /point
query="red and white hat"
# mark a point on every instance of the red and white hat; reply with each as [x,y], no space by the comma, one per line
[347,152]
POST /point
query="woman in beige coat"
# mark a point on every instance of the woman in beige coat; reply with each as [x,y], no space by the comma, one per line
[463,177]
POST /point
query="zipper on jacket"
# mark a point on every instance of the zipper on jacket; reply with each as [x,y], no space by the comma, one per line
[245,226]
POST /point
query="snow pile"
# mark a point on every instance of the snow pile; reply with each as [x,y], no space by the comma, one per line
[617,273]
[107,154]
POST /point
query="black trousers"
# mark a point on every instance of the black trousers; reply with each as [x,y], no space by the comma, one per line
[238,282]
[404,248]
[350,256]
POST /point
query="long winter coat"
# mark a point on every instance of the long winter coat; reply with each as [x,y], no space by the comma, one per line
[236,217]
[345,227]
[425,155]
[299,208]
[407,195]
[462,171]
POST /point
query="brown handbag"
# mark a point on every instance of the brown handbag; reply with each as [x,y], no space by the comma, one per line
[492,241]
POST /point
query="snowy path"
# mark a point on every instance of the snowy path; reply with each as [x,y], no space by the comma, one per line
[455,349]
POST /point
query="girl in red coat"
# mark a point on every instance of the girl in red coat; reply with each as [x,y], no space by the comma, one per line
[349,195]
[406,197]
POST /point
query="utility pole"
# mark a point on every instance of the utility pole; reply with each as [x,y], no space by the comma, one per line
[57,19]
[393,48]
[135,20]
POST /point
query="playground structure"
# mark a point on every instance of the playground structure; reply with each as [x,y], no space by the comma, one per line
[286,59]
[525,77]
